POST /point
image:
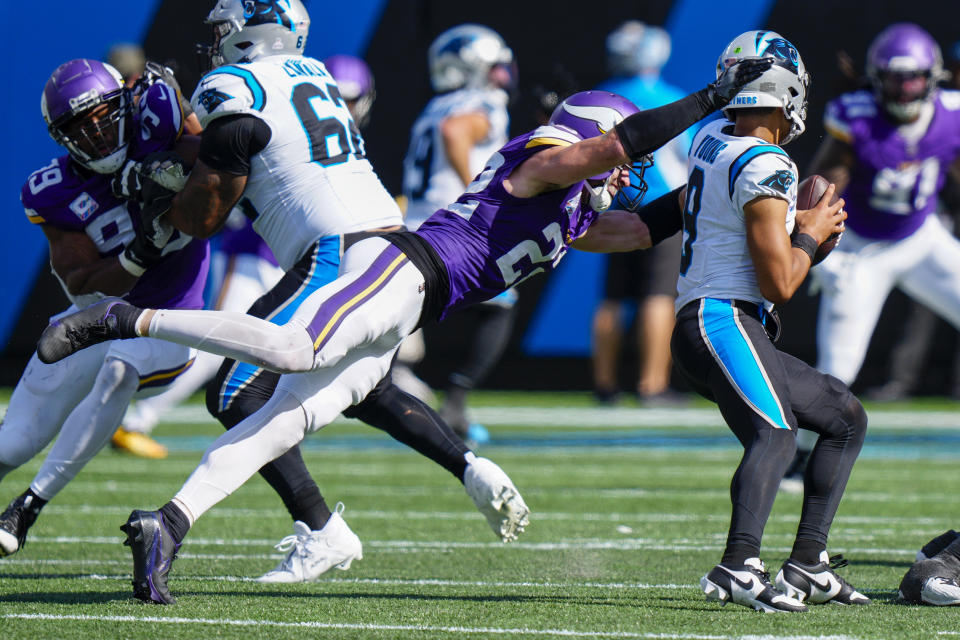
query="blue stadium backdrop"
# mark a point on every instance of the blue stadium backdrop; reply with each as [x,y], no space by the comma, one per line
[393,35]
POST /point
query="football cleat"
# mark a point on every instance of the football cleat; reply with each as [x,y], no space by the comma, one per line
[496,497]
[934,581]
[818,583]
[747,584]
[139,444]
[84,328]
[154,551]
[15,521]
[310,554]
[937,545]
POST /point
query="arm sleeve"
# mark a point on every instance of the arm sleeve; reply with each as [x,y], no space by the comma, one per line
[663,216]
[646,131]
[228,143]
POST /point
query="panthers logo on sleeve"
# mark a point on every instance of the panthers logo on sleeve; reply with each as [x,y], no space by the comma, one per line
[212,98]
[228,90]
[779,180]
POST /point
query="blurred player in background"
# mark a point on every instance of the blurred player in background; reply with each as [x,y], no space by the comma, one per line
[738,261]
[888,152]
[537,196]
[355,80]
[471,69]
[98,247]
[934,577]
[635,54]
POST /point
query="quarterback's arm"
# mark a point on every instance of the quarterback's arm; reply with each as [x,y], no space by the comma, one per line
[834,160]
[779,266]
[220,174]
[460,134]
[75,259]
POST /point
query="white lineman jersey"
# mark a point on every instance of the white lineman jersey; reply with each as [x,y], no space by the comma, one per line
[429,180]
[313,178]
[725,173]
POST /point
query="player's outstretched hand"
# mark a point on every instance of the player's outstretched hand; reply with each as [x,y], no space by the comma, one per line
[153,233]
[735,77]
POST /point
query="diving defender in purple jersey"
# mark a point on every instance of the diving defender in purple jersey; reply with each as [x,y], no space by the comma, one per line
[889,151]
[97,248]
[539,195]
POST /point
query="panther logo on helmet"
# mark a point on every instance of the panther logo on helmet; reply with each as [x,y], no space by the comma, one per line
[780,49]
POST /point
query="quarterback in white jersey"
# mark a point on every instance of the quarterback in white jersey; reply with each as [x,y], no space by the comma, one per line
[738,260]
[344,193]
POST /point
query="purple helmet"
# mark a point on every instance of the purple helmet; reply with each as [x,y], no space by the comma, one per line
[87,110]
[355,80]
[592,113]
[904,65]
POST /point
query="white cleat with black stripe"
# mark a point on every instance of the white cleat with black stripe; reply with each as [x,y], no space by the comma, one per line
[818,583]
[747,584]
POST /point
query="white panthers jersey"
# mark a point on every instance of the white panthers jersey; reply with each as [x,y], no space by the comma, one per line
[725,173]
[313,178]
[429,180]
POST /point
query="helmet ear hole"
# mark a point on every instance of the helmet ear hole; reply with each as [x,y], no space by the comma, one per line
[793,92]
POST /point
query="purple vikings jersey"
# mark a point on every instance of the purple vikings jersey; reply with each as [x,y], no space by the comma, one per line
[899,169]
[65,196]
[490,240]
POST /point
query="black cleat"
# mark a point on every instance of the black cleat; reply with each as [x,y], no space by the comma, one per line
[937,545]
[747,584]
[154,551]
[108,319]
[14,523]
[934,581]
[818,583]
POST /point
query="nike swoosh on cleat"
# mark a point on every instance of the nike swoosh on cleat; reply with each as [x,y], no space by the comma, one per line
[824,587]
[746,585]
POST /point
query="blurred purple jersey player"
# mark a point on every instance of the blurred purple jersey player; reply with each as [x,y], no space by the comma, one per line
[355,80]
[889,151]
[535,199]
[96,249]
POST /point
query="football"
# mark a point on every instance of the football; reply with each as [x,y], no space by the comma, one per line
[809,192]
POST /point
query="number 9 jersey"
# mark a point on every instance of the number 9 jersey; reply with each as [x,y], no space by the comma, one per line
[725,173]
[313,178]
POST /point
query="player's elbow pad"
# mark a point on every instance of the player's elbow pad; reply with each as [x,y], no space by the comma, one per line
[646,131]
[663,216]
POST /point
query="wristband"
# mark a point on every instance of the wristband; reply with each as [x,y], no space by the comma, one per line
[806,243]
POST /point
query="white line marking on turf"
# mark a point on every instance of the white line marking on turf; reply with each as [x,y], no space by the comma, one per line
[572,633]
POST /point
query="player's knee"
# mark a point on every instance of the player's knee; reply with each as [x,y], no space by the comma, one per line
[16,444]
[854,416]
[783,444]
[116,376]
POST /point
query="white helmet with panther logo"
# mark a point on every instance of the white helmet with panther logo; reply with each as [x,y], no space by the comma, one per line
[244,30]
[783,85]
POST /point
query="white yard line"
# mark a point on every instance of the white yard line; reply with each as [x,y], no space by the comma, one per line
[570,633]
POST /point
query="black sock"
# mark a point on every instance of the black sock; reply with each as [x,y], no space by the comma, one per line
[311,508]
[736,554]
[176,521]
[806,551]
[126,315]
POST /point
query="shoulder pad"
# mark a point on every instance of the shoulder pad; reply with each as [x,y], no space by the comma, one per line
[228,90]
[763,158]
[549,135]
[160,117]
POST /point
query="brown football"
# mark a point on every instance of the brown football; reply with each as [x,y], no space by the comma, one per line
[809,192]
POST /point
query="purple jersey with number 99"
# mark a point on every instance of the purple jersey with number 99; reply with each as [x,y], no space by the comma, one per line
[899,169]
[490,240]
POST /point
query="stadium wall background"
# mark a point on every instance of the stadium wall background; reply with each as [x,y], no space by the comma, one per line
[393,36]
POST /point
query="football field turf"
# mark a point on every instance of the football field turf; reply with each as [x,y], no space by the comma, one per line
[629,509]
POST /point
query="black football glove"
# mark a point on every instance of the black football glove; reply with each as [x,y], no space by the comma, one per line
[153,233]
[732,80]
[125,183]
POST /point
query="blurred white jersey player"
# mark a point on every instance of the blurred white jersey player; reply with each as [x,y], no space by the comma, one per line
[471,69]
